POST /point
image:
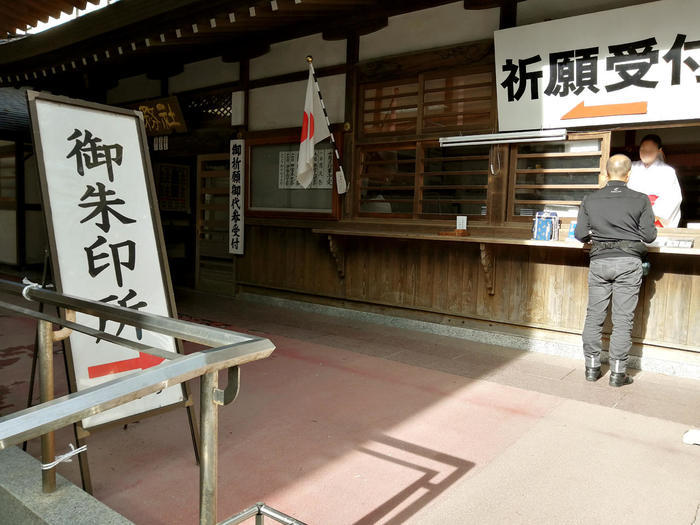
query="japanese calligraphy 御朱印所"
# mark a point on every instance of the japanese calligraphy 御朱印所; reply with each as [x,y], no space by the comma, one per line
[96,189]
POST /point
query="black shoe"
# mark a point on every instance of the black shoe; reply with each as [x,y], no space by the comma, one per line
[620,379]
[592,374]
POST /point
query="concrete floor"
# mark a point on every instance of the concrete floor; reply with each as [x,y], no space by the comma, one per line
[350,423]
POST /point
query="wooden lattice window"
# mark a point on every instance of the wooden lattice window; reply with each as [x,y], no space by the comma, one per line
[390,108]
[453,181]
[556,175]
[207,106]
[387,181]
[433,104]
[213,188]
[422,180]
[457,102]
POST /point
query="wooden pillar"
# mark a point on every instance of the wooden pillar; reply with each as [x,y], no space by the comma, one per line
[20,210]
[245,84]
[352,57]
[509,14]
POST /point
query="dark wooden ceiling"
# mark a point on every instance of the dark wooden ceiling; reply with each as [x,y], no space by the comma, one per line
[157,37]
[25,14]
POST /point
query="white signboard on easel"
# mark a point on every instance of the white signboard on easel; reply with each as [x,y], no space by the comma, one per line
[101,213]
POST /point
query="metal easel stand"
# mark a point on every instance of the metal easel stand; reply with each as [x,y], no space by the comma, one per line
[78,432]
[260,511]
[47,337]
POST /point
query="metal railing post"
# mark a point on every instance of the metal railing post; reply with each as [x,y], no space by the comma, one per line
[209,427]
[45,354]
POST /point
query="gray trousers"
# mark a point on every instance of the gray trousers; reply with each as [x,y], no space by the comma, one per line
[619,278]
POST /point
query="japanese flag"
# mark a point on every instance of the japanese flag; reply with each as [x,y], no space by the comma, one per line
[314,129]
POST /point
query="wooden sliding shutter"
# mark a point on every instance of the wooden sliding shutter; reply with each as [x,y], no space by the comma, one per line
[556,175]
[214,268]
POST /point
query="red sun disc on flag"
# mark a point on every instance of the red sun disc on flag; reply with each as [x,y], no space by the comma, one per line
[305,127]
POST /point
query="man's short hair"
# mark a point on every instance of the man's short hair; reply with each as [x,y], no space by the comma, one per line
[618,166]
[652,137]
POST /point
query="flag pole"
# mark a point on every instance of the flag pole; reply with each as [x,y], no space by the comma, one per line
[341,183]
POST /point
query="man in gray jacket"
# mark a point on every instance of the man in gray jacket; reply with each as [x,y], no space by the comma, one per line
[617,221]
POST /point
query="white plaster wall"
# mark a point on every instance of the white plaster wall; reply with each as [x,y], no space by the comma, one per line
[133,88]
[282,106]
[289,56]
[204,73]
[435,27]
[8,236]
[534,11]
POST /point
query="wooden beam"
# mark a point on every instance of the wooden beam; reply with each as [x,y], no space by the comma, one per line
[476,54]
[509,14]
[30,9]
[355,26]
[12,20]
[245,52]
[52,8]
[165,70]
[122,23]
[105,25]
[352,57]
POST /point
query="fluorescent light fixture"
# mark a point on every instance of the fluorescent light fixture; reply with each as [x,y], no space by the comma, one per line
[546,135]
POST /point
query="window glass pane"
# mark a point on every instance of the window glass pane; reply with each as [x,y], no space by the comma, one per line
[551,174]
[273,179]
[390,109]
[454,180]
[535,194]
[558,163]
[447,194]
[387,181]
[457,159]
[453,208]
[457,101]
[569,146]
[528,210]
[557,178]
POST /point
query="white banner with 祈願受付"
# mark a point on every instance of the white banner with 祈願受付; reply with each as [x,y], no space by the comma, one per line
[100,210]
[628,65]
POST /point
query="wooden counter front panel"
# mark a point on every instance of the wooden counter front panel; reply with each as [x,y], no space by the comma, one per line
[534,286]
[289,259]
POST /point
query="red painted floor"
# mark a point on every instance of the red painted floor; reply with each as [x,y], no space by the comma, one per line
[341,425]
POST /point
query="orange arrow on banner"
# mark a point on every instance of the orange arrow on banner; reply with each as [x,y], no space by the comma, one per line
[607,110]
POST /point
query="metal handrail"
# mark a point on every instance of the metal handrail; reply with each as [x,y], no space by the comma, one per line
[196,333]
[231,350]
[37,420]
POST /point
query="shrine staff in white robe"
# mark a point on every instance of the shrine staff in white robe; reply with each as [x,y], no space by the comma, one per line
[653,177]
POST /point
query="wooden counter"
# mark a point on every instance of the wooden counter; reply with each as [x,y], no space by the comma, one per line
[495,276]
[481,239]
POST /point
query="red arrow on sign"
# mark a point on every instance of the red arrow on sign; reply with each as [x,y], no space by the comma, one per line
[143,361]
[607,110]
